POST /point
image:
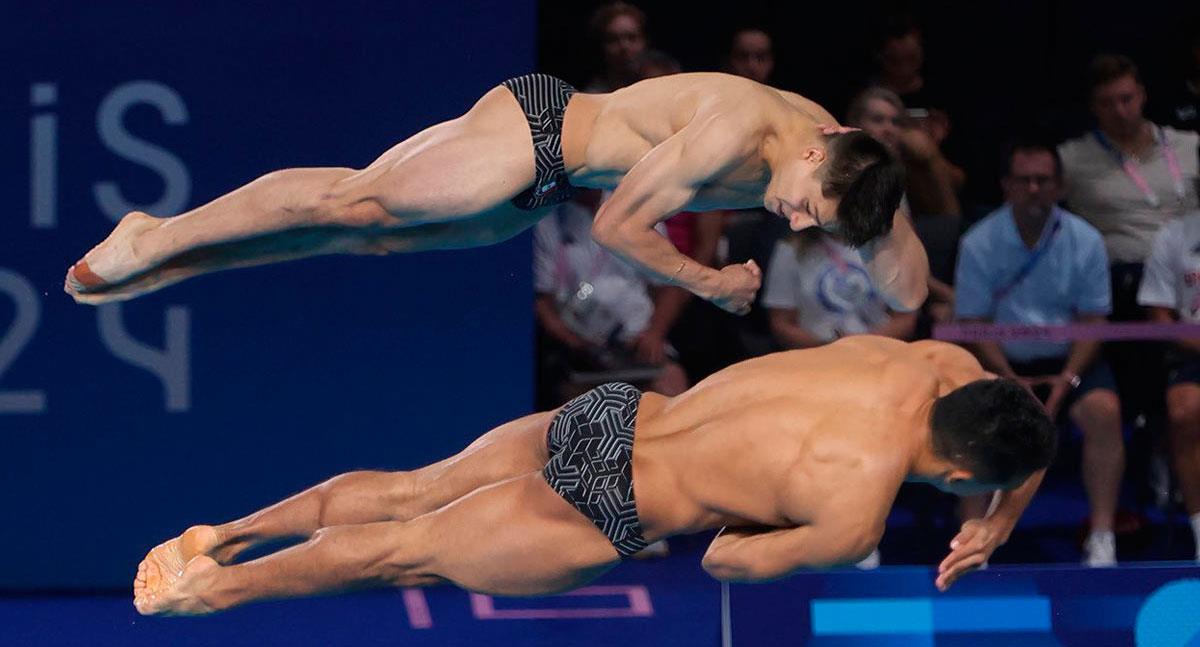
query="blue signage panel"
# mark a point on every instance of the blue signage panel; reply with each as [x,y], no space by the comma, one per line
[1155,605]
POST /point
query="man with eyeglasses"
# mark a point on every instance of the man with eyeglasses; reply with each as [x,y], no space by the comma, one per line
[1032,262]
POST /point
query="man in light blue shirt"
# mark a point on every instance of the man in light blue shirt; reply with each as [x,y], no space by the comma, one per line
[1031,262]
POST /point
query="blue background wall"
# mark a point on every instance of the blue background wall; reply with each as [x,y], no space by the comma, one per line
[266,380]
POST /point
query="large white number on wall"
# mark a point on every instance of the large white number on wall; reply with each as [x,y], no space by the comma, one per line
[29,311]
[170,365]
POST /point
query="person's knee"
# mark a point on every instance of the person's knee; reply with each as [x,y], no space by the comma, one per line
[1183,412]
[1098,412]
[340,199]
[409,559]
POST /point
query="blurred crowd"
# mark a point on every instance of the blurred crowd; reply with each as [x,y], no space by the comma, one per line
[1101,227]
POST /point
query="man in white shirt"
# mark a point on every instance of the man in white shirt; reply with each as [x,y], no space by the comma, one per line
[1128,177]
[1171,290]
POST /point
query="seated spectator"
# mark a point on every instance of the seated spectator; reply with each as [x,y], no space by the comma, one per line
[817,291]
[1031,262]
[599,311]
[1171,289]
[1128,177]
[751,54]
[880,113]
[619,29]
[931,190]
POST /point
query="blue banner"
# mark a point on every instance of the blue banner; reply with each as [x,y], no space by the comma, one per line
[122,425]
[1156,605]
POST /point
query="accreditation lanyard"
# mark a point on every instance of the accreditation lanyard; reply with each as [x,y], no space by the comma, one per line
[1130,167]
[1030,263]
[835,256]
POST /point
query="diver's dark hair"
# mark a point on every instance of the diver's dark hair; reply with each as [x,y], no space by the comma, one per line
[869,183]
[994,428]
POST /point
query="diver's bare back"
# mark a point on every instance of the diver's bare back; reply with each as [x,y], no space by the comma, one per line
[606,135]
[781,440]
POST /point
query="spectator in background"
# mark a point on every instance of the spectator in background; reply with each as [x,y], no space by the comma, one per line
[930,198]
[751,54]
[1031,262]
[600,313]
[900,59]
[620,30]
[1128,177]
[818,291]
[930,190]
[1171,289]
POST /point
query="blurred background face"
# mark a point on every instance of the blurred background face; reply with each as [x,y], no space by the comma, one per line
[1032,184]
[751,56]
[902,58]
[881,120]
[1117,106]
[623,44]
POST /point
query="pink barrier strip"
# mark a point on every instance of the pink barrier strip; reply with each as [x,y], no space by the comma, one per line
[418,609]
[484,606]
[1071,332]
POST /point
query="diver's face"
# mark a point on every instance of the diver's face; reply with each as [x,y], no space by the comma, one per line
[795,194]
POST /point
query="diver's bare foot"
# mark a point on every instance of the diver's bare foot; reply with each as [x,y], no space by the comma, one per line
[145,283]
[161,590]
[172,555]
[113,261]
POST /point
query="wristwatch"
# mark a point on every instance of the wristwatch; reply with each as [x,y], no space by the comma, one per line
[1072,379]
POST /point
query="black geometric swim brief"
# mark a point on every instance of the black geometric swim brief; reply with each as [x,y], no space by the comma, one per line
[544,99]
[591,461]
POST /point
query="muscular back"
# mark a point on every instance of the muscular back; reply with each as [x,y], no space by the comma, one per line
[784,439]
[610,133]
